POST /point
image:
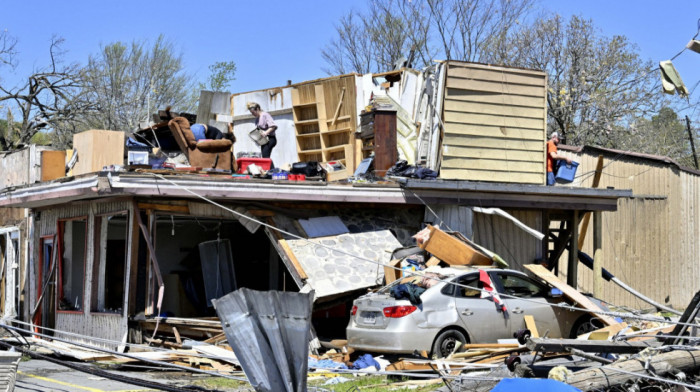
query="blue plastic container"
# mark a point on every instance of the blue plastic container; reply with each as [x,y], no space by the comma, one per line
[566,172]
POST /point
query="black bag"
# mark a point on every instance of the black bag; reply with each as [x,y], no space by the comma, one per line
[309,169]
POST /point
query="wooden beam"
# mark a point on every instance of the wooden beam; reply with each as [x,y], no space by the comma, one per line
[572,270]
[597,254]
[340,103]
[165,207]
[293,259]
[569,292]
[530,324]
[587,217]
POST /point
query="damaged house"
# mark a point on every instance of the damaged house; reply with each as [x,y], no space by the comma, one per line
[129,255]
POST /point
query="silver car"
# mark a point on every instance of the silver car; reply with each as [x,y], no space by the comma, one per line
[449,313]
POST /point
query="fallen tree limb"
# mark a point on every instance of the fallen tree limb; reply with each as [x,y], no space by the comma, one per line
[608,377]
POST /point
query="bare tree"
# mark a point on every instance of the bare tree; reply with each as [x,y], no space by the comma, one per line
[596,84]
[390,30]
[7,48]
[129,81]
[51,100]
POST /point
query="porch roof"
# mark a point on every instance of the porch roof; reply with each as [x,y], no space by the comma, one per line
[400,191]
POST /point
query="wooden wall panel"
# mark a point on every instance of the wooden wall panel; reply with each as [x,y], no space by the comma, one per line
[495,124]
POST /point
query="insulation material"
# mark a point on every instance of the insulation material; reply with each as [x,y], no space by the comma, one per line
[335,272]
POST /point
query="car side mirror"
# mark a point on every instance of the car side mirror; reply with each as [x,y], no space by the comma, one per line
[555,292]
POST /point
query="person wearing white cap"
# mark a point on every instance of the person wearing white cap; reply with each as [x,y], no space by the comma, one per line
[553,155]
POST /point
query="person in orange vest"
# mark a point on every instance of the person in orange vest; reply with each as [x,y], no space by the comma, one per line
[553,155]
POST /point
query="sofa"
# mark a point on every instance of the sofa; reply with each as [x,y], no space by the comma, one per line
[205,154]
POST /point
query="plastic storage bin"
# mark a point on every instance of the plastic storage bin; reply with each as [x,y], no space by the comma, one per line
[566,172]
[243,163]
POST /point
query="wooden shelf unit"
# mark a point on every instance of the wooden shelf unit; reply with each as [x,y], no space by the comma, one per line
[325,120]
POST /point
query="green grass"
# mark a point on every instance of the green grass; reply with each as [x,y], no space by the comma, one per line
[373,384]
[357,384]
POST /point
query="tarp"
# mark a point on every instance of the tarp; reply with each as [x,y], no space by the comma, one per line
[532,385]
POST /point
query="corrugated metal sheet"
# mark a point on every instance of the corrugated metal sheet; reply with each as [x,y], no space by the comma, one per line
[504,238]
[269,332]
[495,124]
[652,242]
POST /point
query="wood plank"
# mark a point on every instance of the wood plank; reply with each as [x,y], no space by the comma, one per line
[503,75]
[497,109]
[454,94]
[293,259]
[530,324]
[493,120]
[569,292]
[495,87]
[503,154]
[451,250]
[483,175]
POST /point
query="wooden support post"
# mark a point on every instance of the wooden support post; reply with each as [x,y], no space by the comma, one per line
[572,271]
[587,217]
[598,254]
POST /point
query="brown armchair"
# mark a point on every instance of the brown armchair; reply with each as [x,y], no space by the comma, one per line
[205,153]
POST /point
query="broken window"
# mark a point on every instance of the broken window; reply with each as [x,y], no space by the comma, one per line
[71,274]
[109,269]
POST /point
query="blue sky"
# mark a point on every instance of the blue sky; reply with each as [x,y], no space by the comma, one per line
[275,41]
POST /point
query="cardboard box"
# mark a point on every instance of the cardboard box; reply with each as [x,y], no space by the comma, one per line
[53,165]
[96,149]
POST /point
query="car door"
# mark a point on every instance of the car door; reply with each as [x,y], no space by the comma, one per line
[480,317]
[525,296]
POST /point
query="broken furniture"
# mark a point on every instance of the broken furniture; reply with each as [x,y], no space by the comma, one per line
[324,118]
[97,149]
[378,134]
[450,249]
[207,154]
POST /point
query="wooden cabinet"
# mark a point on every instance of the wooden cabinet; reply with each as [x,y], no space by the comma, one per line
[378,134]
[324,118]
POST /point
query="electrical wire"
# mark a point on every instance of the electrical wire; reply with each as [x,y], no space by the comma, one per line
[126,355]
[414,273]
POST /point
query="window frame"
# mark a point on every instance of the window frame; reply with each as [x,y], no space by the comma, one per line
[96,261]
[59,276]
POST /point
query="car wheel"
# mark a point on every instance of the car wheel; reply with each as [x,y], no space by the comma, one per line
[446,342]
[585,324]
